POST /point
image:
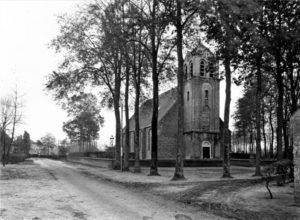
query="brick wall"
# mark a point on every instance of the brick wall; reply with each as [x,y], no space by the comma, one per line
[167,135]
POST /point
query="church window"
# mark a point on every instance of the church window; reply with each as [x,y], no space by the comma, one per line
[185,71]
[149,139]
[202,68]
[188,96]
[191,68]
[206,94]
[206,97]
[141,144]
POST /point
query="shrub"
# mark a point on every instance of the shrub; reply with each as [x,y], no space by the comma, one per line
[17,158]
[279,171]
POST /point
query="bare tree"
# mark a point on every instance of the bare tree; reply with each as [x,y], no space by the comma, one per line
[10,117]
[6,120]
[16,108]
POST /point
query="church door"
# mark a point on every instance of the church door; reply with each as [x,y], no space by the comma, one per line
[206,150]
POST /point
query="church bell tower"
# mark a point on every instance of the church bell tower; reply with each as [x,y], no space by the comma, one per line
[201,105]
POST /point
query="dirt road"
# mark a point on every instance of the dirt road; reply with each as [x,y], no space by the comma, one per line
[56,190]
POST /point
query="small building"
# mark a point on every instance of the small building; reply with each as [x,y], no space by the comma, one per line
[202,125]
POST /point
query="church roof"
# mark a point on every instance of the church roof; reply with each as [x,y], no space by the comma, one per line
[166,101]
[296,113]
[200,50]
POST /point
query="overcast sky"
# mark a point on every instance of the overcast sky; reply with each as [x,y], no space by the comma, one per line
[26,29]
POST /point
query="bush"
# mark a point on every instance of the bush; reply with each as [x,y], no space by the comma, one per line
[240,156]
[279,171]
[17,158]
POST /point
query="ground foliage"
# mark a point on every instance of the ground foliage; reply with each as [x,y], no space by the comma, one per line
[281,171]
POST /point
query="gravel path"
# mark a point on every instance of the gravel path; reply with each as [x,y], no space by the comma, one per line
[51,189]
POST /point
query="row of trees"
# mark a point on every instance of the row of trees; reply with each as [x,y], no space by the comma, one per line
[245,117]
[119,46]
[22,144]
[49,145]
[270,52]
[85,122]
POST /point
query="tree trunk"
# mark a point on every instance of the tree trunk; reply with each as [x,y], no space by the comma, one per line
[137,168]
[272,132]
[154,122]
[265,138]
[245,145]
[258,119]
[117,162]
[294,98]
[279,81]
[279,119]
[225,137]
[126,147]
[4,147]
[11,141]
[251,140]
[178,175]
[285,130]
[13,125]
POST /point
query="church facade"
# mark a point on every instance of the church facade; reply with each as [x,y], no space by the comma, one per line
[202,125]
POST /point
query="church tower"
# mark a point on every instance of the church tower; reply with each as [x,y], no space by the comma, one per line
[201,105]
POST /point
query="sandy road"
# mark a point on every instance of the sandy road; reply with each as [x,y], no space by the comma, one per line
[100,199]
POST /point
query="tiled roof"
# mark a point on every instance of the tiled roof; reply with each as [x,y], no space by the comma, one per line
[166,101]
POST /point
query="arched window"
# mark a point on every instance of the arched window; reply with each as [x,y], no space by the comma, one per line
[185,71]
[141,144]
[211,69]
[188,96]
[206,97]
[202,68]
[191,68]
[206,94]
[149,139]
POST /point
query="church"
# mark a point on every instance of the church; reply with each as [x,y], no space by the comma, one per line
[202,125]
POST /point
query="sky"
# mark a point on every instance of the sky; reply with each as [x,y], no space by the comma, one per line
[27,27]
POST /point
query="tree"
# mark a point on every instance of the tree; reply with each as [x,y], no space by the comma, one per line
[281,31]
[94,58]
[153,20]
[63,148]
[252,50]
[6,120]
[271,48]
[16,117]
[22,144]
[40,146]
[48,142]
[244,116]
[10,118]
[220,21]
[86,118]
[138,65]
[4,141]
[83,128]
[26,142]
[180,16]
